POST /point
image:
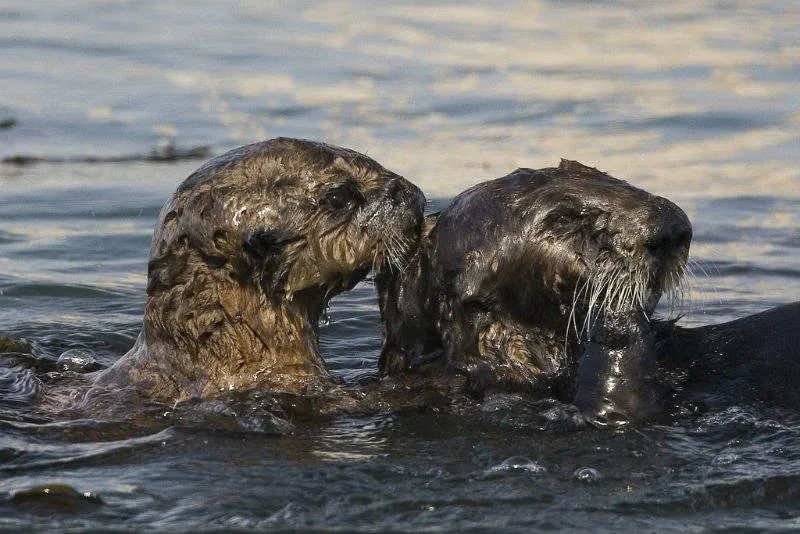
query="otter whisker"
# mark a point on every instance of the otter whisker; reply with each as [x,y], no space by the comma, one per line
[571,318]
[677,285]
[693,267]
[642,292]
[637,294]
[591,289]
[618,291]
[607,291]
[389,251]
[401,248]
[612,292]
[623,287]
[594,283]
[598,291]
[577,292]
[599,286]
[685,287]
[397,249]
[627,292]
[576,295]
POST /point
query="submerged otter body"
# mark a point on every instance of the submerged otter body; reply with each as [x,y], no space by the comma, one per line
[246,255]
[751,359]
[517,278]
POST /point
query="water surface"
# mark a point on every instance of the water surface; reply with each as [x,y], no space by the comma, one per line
[696,101]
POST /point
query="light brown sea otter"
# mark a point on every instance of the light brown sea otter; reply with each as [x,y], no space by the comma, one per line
[245,257]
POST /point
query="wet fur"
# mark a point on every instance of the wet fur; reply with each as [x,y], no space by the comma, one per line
[500,287]
[500,290]
[751,359]
[246,255]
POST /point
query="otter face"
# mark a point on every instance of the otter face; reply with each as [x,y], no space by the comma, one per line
[351,216]
[295,215]
[617,246]
[511,264]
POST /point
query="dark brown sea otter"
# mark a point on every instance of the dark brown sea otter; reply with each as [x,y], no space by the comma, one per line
[245,257]
[544,281]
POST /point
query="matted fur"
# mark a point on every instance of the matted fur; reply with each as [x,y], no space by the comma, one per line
[246,255]
[510,275]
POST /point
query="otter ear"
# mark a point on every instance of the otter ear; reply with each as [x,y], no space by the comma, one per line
[265,249]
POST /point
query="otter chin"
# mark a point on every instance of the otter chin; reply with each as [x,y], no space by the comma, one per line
[542,281]
[244,259]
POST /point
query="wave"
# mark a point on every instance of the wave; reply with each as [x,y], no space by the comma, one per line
[160,154]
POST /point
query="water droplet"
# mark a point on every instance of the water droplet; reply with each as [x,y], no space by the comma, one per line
[325,317]
[587,474]
[726,458]
[518,463]
[77,360]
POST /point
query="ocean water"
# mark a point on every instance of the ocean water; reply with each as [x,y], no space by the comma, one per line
[696,101]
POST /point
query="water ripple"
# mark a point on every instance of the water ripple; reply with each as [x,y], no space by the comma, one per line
[18,386]
[21,454]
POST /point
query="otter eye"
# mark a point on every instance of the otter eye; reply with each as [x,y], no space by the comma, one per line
[564,217]
[343,196]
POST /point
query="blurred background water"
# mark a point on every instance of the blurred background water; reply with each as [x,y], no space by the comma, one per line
[694,100]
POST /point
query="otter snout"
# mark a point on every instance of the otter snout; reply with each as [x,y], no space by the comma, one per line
[404,194]
[668,230]
[406,203]
[659,232]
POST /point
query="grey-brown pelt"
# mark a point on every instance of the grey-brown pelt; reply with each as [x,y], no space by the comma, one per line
[246,255]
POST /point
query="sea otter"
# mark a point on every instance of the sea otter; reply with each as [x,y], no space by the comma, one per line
[244,259]
[544,281]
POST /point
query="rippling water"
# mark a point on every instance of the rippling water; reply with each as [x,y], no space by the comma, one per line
[697,101]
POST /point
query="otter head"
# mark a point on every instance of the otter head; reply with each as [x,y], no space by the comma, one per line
[604,252]
[585,257]
[250,249]
[511,266]
[600,242]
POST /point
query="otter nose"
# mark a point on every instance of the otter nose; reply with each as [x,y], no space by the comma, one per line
[670,231]
[660,229]
[404,193]
[396,190]
[664,242]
